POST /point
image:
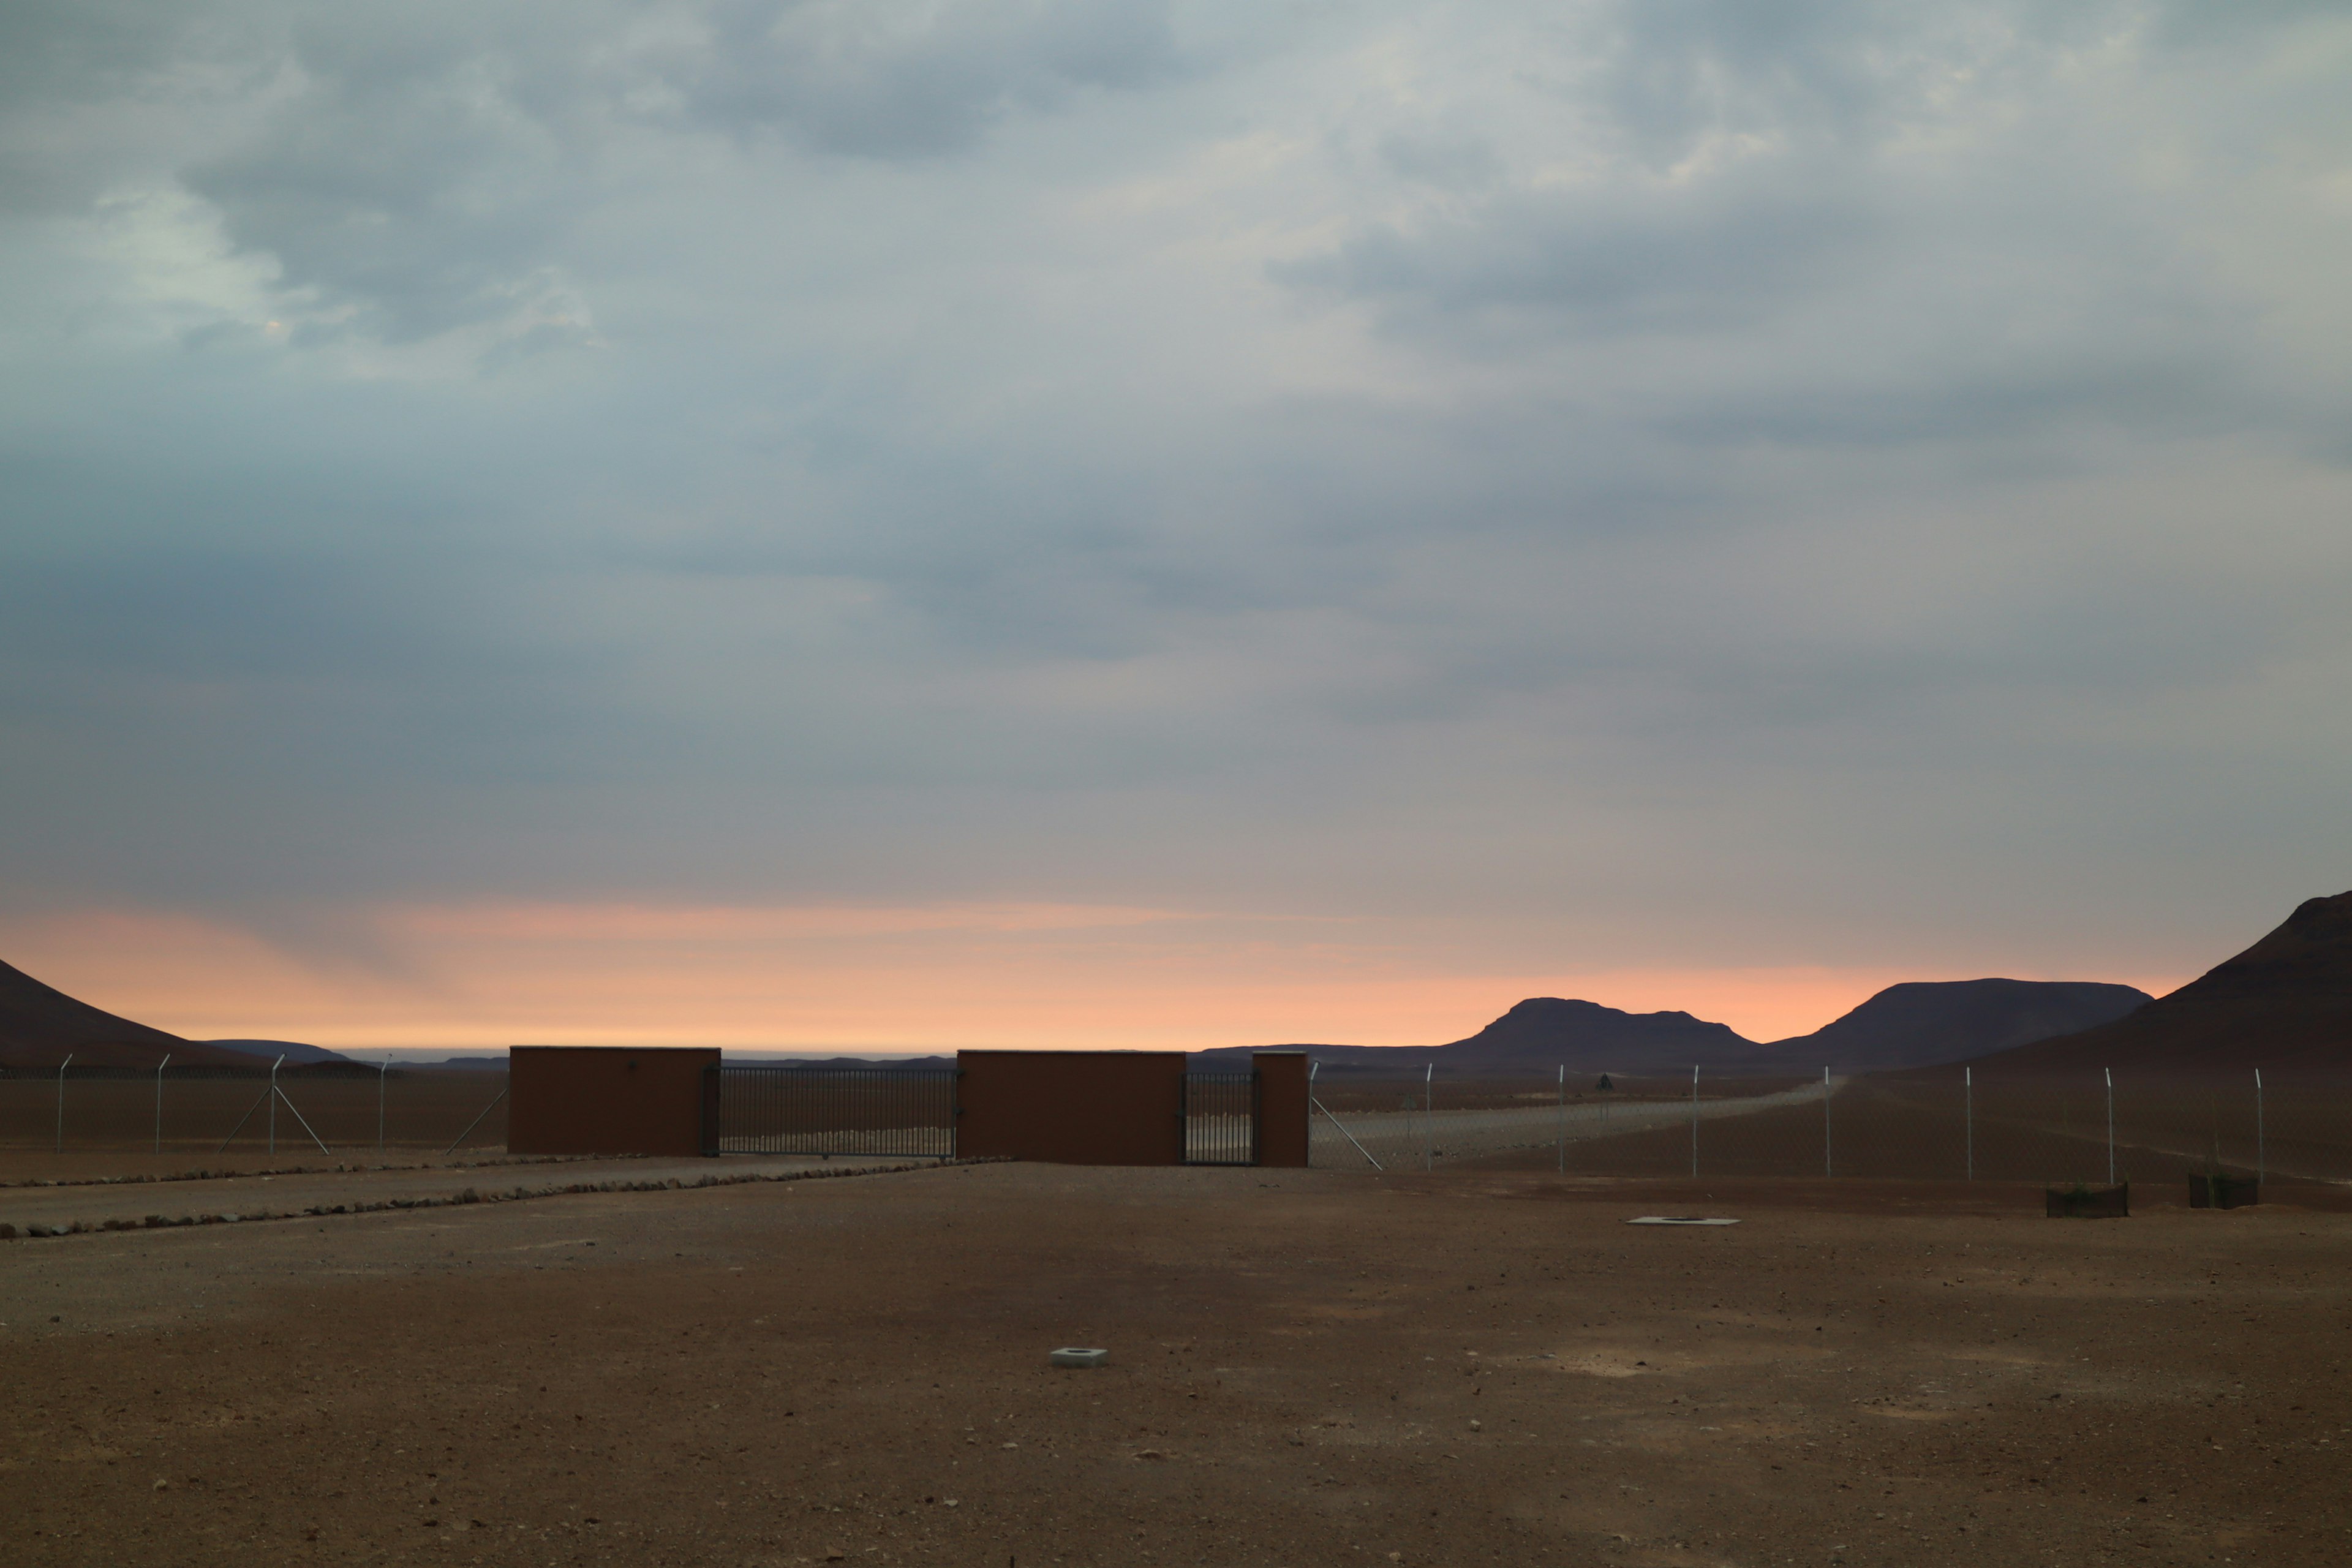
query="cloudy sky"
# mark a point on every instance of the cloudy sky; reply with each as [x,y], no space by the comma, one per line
[913,522]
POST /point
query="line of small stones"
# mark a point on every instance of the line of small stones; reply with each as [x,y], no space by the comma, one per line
[339,1169]
[472,1195]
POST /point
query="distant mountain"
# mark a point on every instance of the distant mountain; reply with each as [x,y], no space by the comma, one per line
[39,1025]
[1543,1032]
[295,1053]
[1905,1026]
[1547,1030]
[2286,1002]
[1925,1022]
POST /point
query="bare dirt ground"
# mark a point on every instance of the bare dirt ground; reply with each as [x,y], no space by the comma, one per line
[1308,1367]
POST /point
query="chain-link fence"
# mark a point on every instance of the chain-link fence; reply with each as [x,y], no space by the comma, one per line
[1953,1123]
[332,1107]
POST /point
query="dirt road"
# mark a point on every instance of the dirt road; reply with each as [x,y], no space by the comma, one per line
[1308,1367]
[1401,1140]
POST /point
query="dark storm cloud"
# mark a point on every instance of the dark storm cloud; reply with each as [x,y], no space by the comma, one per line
[432,158]
[1493,459]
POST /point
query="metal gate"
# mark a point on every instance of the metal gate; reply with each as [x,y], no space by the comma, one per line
[831,1110]
[1219,1118]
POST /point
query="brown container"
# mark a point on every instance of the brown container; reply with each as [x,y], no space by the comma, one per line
[1074,1108]
[610,1100]
[2090,1203]
[1282,1107]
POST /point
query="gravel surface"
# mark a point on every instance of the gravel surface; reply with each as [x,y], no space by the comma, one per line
[1305,1367]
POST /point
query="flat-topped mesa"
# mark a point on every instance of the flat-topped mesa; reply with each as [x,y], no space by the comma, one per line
[1925,1023]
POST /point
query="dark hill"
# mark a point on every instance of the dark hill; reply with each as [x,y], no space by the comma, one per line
[1543,1032]
[39,1025]
[2286,1002]
[1924,1023]
[1912,1025]
[295,1053]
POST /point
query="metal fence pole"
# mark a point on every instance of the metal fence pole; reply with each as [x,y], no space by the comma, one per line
[381,1068]
[2262,1152]
[1312,1068]
[159,1101]
[1829,1167]
[61,1100]
[1562,1139]
[273,1106]
[1968,1115]
[2111,1124]
[1428,1111]
[476,1121]
[1693,1119]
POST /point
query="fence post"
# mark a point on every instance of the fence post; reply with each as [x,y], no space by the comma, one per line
[61,1100]
[1968,1115]
[381,1068]
[1829,1167]
[2111,1124]
[1428,1110]
[159,1101]
[1693,1119]
[273,1105]
[1561,1138]
[2262,1152]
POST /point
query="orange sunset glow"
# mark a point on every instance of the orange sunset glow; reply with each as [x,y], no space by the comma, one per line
[854,979]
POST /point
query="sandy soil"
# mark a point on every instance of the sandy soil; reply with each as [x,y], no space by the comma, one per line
[1307,1367]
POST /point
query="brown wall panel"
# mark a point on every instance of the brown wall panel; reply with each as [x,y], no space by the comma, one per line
[1282,1129]
[1074,1108]
[606,1100]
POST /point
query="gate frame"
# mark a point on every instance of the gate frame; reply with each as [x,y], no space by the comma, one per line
[713,1113]
[1256,1082]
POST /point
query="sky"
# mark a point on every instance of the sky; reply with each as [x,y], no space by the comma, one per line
[909,523]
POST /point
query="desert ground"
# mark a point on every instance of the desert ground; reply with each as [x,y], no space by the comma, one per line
[1305,1367]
